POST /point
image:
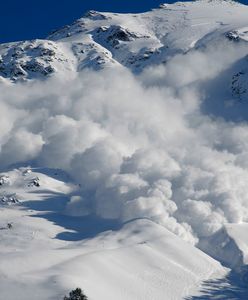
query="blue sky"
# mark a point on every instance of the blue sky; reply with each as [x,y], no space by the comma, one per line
[28,19]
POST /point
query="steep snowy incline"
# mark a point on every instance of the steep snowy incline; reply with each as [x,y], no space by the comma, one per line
[138,40]
[135,41]
[229,245]
[146,114]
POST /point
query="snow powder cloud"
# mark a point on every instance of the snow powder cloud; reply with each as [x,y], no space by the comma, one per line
[139,145]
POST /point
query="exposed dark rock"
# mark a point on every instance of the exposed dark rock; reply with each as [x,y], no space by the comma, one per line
[95,15]
[233,36]
[116,34]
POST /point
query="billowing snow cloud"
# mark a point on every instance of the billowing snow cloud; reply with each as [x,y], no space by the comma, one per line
[140,147]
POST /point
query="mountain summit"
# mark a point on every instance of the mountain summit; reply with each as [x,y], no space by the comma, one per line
[124,157]
[135,41]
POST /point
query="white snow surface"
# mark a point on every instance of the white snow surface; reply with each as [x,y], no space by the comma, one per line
[140,260]
[123,156]
[99,40]
[238,232]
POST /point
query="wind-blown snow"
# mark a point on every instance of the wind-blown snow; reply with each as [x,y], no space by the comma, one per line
[138,150]
[165,141]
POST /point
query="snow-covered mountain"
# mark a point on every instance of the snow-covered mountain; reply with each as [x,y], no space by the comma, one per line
[99,40]
[123,156]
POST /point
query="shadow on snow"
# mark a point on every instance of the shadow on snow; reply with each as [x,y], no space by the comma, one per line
[233,287]
[76,228]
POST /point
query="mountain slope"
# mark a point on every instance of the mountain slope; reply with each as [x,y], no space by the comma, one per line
[139,122]
[141,260]
[131,40]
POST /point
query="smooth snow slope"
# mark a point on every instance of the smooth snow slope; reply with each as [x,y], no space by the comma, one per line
[141,260]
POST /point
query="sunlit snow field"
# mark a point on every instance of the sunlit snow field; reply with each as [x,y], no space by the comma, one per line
[124,149]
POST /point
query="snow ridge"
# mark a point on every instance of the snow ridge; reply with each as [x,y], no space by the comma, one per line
[140,124]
